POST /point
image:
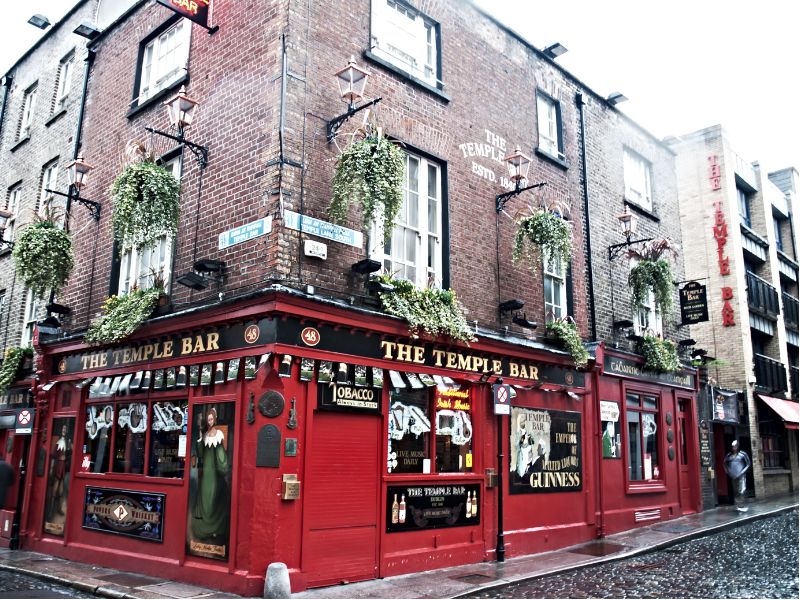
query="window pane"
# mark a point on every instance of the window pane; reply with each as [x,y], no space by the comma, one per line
[632,400]
[651,468]
[129,438]
[634,447]
[169,426]
[409,432]
[453,441]
[650,402]
[99,420]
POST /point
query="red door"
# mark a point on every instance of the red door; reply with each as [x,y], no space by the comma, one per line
[341,518]
[684,472]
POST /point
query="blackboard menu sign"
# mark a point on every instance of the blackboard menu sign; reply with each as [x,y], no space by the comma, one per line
[694,303]
[417,507]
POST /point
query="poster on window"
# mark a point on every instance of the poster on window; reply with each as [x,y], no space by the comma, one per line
[609,424]
[545,451]
[210,475]
[58,480]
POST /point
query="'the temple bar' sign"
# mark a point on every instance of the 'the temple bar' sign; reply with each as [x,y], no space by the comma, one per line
[194,10]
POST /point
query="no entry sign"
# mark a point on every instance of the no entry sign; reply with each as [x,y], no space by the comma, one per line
[502,399]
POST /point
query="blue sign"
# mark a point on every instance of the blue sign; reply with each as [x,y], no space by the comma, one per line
[323,229]
[244,233]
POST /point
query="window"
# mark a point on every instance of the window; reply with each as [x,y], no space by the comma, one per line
[415,249]
[137,437]
[2,307]
[548,113]
[418,416]
[141,267]
[647,319]
[555,287]
[33,308]
[164,60]
[63,80]
[28,107]
[637,180]
[12,206]
[46,199]
[744,206]
[643,455]
[404,37]
[778,234]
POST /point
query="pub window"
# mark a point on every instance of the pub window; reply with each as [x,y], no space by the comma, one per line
[430,430]
[163,60]
[642,414]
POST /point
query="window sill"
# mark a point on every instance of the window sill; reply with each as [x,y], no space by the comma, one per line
[553,159]
[131,478]
[776,471]
[20,143]
[406,75]
[646,488]
[643,211]
[4,250]
[160,96]
[55,117]
[424,477]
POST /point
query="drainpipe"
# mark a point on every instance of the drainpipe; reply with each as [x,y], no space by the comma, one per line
[7,81]
[79,131]
[585,180]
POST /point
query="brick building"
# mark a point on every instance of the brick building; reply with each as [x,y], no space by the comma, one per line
[215,440]
[740,239]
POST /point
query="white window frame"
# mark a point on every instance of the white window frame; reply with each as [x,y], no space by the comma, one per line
[139,267]
[555,272]
[647,320]
[28,108]
[33,306]
[12,206]
[164,59]
[422,237]
[548,115]
[404,37]
[64,79]
[49,180]
[638,180]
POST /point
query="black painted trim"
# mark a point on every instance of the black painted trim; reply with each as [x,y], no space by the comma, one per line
[406,75]
[159,97]
[55,117]
[642,211]
[140,56]
[547,156]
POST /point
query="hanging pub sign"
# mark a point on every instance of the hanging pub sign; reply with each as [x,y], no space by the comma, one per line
[417,507]
[194,10]
[694,303]
[125,512]
[545,453]
[725,406]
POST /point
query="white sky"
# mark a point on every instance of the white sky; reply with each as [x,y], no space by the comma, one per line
[684,64]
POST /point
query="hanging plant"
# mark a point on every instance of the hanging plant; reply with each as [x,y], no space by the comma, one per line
[566,331]
[652,273]
[369,171]
[43,256]
[146,204]
[12,362]
[433,311]
[543,232]
[659,355]
[122,315]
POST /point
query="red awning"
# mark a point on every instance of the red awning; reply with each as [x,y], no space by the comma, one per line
[787,410]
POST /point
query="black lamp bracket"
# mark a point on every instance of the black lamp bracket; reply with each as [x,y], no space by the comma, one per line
[333,125]
[200,152]
[501,200]
[74,195]
[615,250]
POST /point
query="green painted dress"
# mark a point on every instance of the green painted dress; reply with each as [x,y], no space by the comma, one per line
[211,513]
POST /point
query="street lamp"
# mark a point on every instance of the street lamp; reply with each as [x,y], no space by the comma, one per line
[181,111]
[352,81]
[518,165]
[78,173]
[627,223]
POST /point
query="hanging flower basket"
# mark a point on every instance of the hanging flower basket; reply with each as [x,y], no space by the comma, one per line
[12,364]
[370,172]
[566,331]
[146,204]
[659,355]
[543,232]
[652,273]
[432,311]
[122,315]
[43,256]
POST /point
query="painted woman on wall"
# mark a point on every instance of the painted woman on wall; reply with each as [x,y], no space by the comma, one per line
[58,481]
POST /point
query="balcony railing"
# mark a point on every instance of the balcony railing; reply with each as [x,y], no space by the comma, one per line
[770,374]
[794,373]
[790,305]
[762,297]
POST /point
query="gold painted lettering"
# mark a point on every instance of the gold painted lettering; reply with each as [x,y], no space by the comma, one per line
[437,356]
[212,343]
[116,356]
[513,369]
[497,366]
[419,354]
[167,349]
[452,358]
[84,362]
[136,354]
[404,352]
[186,345]
[198,344]
[148,351]
[388,348]
[126,356]
[463,362]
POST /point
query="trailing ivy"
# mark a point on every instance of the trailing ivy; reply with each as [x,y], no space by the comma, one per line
[430,310]
[659,355]
[122,315]
[652,273]
[369,171]
[43,256]
[146,204]
[543,232]
[14,357]
[567,332]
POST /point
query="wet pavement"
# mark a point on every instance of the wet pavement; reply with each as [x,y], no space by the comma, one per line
[756,560]
[16,585]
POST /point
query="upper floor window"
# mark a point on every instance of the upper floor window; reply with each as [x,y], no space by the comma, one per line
[28,108]
[34,308]
[647,319]
[415,249]
[778,234]
[49,177]
[164,60]
[406,38]
[642,417]
[63,80]
[12,206]
[555,287]
[548,113]
[744,206]
[638,187]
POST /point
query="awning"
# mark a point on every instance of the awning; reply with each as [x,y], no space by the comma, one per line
[786,409]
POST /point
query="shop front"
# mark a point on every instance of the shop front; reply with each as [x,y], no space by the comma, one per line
[287,430]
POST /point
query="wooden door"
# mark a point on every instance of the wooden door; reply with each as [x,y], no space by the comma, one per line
[684,439]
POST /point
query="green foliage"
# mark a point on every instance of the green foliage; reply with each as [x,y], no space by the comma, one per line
[122,315]
[433,311]
[567,332]
[543,232]
[9,370]
[654,275]
[659,355]
[146,204]
[43,256]
[370,172]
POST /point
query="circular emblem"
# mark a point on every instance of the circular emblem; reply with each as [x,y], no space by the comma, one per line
[569,378]
[24,417]
[251,334]
[310,336]
[502,395]
[62,365]
[271,404]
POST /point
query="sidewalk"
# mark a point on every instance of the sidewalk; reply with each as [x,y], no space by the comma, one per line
[441,583]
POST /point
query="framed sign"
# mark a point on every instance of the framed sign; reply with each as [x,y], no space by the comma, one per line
[125,512]
[694,303]
[417,507]
[352,398]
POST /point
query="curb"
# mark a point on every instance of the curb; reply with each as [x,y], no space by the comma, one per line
[76,585]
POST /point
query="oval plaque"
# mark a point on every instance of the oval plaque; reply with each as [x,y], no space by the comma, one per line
[671,453]
[670,435]
[271,403]
[669,418]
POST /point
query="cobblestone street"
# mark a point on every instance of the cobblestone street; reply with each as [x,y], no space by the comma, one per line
[16,585]
[757,560]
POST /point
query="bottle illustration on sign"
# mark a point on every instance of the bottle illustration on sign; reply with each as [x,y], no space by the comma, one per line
[468,510]
[402,515]
[395,510]
[474,504]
